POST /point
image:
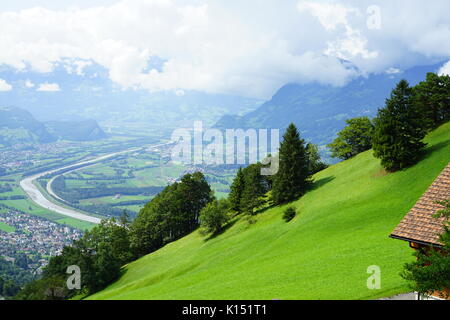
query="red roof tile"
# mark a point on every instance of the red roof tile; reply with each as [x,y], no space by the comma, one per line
[419,225]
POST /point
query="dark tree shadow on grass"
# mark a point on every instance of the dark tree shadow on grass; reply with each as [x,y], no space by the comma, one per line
[320,183]
[262,210]
[426,153]
[313,186]
[432,149]
[222,230]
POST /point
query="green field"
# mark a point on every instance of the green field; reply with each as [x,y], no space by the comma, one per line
[113,200]
[68,154]
[28,206]
[75,223]
[137,170]
[342,228]
[6,227]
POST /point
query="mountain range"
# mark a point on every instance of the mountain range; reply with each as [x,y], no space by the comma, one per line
[63,95]
[18,126]
[320,111]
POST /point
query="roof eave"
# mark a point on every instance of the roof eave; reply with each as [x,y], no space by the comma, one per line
[393,236]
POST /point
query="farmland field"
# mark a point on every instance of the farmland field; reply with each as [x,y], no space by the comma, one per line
[7,228]
[43,157]
[126,179]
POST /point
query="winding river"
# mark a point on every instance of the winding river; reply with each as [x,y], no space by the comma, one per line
[33,192]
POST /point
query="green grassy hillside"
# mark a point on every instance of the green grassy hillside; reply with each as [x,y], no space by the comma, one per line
[342,228]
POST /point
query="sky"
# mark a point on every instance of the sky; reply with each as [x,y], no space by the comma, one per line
[52,4]
[249,48]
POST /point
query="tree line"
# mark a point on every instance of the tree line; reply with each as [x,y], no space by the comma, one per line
[5,188]
[13,276]
[396,134]
[73,195]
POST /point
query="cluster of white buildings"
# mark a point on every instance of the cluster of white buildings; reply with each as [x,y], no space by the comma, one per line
[37,237]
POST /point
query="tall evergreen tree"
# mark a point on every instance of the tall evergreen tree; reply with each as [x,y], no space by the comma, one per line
[399,130]
[293,176]
[254,190]
[236,190]
[433,97]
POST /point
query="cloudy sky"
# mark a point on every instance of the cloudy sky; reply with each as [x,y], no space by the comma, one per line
[249,48]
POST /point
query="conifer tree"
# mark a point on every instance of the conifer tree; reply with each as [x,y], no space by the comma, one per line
[236,190]
[399,130]
[293,176]
[254,190]
[432,96]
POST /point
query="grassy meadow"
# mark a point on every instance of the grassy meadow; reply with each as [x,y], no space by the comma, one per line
[342,227]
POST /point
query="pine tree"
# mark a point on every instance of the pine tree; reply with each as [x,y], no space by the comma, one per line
[433,97]
[254,190]
[236,190]
[399,130]
[293,176]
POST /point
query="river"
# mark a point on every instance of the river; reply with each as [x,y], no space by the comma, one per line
[33,192]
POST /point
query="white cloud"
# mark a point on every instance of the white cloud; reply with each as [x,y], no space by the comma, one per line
[29,84]
[76,66]
[330,14]
[393,71]
[241,47]
[5,86]
[48,87]
[180,93]
[445,70]
[348,44]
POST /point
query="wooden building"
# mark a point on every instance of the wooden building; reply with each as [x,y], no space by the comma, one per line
[419,227]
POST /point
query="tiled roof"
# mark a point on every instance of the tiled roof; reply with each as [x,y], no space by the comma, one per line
[419,225]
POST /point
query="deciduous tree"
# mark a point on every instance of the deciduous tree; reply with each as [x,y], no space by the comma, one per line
[355,138]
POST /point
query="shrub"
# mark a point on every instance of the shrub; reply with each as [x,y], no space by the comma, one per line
[355,138]
[214,216]
[289,214]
